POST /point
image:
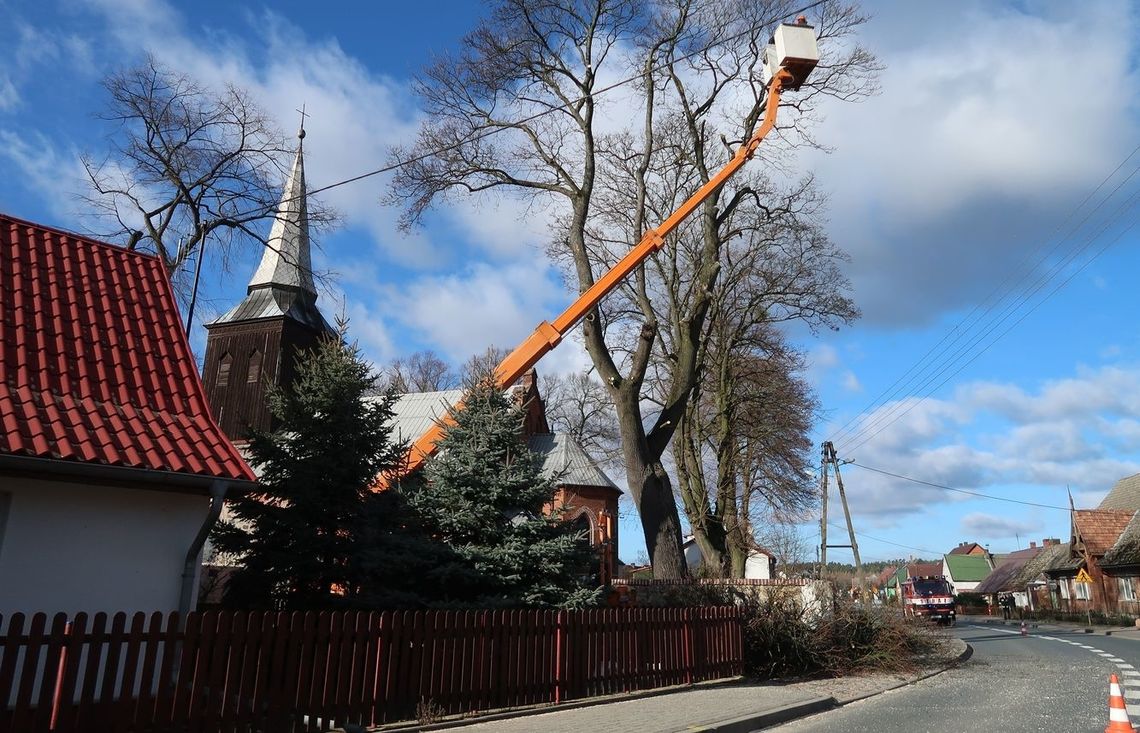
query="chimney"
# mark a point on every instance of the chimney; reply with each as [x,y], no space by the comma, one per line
[1032,545]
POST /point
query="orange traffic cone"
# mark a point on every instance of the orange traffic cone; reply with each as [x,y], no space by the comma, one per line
[1117,714]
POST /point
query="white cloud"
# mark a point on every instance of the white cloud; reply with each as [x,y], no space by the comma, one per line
[991,526]
[996,438]
[960,167]
[851,382]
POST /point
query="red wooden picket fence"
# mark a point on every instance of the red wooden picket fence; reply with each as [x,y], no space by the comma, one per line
[236,671]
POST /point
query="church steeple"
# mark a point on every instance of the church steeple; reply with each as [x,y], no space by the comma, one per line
[286,262]
[282,284]
[256,344]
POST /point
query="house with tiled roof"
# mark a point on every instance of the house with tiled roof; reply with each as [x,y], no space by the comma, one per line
[112,468]
[965,571]
[1124,494]
[1094,533]
[968,548]
[1009,575]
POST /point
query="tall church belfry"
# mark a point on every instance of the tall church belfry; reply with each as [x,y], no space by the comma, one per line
[256,343]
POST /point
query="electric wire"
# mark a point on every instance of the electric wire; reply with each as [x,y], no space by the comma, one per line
[977,494]
[884,419]
[547,111]
[972,359]
[863,535]
[1027,295]
[960,329]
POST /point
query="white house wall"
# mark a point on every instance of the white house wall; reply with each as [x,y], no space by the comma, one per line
[75,547]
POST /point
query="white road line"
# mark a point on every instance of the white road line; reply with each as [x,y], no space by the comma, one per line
[1131,693]
[1116,660]
[1127,666]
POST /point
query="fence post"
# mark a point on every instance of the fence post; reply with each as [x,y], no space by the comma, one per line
[559,652]
[687,631]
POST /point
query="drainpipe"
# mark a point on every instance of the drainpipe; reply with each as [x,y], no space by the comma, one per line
[190,567]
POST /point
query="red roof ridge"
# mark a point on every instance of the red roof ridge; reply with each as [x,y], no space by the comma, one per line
[90,239]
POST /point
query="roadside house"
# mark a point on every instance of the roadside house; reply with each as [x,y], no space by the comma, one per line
[965,571]
[760,565]
[1093,533]
[111,465]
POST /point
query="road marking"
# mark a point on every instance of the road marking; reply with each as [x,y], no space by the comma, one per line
[1127,666]
[1116,660]
[1131,692]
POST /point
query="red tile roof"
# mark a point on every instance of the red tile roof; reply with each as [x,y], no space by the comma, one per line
[1100,528]
[94,364]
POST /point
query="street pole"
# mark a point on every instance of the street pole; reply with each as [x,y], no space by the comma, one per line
[847,514]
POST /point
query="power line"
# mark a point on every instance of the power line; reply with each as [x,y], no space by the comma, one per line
[1013,325]
[847,429]
[960,491]
[547,111]
[887,542]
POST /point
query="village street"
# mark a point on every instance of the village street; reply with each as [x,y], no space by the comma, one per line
[1047,681]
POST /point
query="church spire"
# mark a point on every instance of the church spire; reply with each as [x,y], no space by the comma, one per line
[286,261]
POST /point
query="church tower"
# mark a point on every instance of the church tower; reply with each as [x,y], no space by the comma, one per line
[257,342]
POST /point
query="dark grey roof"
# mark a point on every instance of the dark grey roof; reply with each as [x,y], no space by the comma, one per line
[1125,494]
[275,303]
[1126,551]
[1053,560]
[999,581]
[567,461]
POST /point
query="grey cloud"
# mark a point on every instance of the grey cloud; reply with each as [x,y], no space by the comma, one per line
[991,526]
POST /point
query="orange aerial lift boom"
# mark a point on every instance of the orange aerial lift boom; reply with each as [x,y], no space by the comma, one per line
[788,60]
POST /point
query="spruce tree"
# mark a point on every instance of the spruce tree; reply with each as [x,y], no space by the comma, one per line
[484,496]
[304,538]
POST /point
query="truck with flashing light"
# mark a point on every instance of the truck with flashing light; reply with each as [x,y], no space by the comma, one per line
[928,597]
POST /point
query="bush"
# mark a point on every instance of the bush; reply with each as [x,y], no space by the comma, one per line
[845,637]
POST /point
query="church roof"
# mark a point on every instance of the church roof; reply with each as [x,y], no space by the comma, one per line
[567,461]
[563,458]
[95,368]
[282,285]
[415,412]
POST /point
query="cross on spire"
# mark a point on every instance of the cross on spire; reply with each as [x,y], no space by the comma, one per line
[301,133]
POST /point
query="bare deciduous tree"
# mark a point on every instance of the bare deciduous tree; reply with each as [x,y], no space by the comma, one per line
[186,163]
[580,407]
[423,371]
[519,110]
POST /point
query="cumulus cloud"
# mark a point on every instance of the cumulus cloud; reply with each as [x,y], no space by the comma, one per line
[942,184]
[992,526]
[1029,444]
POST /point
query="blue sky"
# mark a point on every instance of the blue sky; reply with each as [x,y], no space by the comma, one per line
[994,123]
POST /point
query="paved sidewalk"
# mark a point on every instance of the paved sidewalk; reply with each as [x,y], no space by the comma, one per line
[724,708]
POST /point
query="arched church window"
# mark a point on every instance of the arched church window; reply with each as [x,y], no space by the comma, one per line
[224,370]
[254,367]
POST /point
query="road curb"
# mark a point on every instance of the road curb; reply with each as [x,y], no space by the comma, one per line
[965,655]
[768,718]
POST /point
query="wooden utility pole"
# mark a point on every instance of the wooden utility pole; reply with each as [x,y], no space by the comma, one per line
[823,514]
[832,460]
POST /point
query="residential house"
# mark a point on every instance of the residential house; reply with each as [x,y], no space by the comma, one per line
[112,468]
[1121,565]
[968,548]
[879,585]
[760,565]
[964,571]
[1124,494]
[1094,533]
[1008,575]
[255,345]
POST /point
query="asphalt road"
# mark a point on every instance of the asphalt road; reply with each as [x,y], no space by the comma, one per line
[1048,681]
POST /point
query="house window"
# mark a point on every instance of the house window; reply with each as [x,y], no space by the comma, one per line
[1127,592]
[224,370]
[1063,584]
[254,367]
[1082,593]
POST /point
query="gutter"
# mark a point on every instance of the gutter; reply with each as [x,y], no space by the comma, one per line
[187,596]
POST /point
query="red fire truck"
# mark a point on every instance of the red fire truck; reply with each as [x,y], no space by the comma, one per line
[928,597]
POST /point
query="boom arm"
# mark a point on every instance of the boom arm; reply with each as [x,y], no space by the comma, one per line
[548,335]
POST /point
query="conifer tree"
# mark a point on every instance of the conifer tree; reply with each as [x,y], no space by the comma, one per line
[484,496]
[305,537]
